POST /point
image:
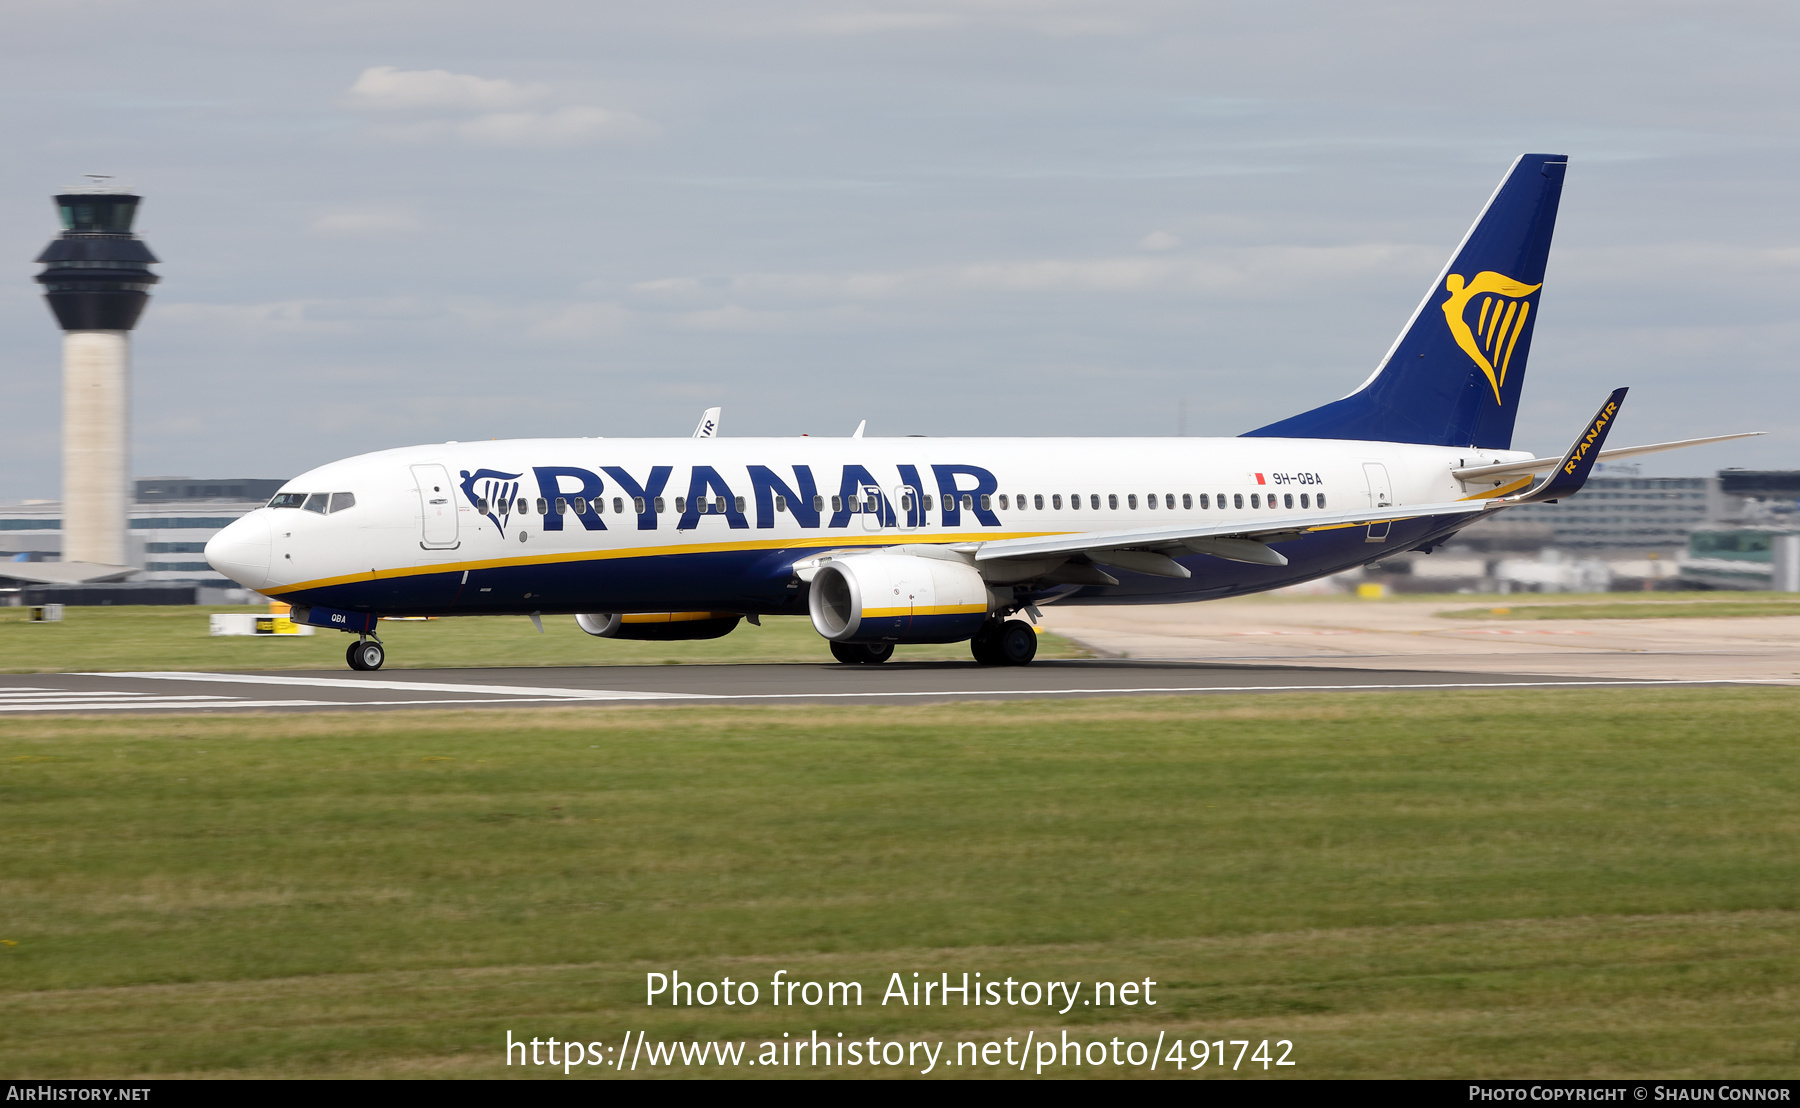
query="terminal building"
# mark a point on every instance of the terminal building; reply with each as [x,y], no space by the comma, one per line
[1739,529]
[167,526]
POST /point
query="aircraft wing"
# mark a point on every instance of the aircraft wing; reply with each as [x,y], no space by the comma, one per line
[1238,541]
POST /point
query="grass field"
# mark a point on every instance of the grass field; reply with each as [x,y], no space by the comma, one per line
[176,638]
[1545,883]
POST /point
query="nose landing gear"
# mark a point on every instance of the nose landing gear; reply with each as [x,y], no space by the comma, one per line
[365,654]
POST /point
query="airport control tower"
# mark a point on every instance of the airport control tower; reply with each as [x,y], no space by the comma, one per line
[97,279]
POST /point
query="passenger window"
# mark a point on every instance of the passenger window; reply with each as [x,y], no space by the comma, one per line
[580,505]
[837,504]
[1237,499]
[1131,501]
[481,506]
[1003,502]
[288,500]
[987,502]
[1150,501]
[637,504]
[1094,499]
[1256,500]
[780,503]
[1287,500]
[342,500]
[524,506]
[818,503]
[1321,500]
[720,508]
[1303,501]
[681,504]
[1037,501]
[906,502]
[562,505]
[1055,501]
[543,506]
[317,502]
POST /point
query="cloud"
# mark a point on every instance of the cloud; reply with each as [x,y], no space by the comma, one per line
[1159,240]
[385,88]
[442,106]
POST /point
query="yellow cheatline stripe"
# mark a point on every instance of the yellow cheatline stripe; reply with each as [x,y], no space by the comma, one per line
[823,542]
[923,610]
[1502,490]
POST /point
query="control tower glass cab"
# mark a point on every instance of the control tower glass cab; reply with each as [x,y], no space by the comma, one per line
[97,274]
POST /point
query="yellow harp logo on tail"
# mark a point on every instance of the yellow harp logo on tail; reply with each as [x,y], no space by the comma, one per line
[1498,322]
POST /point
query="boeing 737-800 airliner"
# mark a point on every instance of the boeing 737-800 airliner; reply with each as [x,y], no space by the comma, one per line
[928,540]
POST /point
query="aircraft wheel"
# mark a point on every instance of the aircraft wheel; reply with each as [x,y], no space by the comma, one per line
[986,646]
[1016,643]
[875,653]
[365,655]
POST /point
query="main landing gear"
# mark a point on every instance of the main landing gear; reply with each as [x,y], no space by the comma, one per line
[1011,642]
[365,654]
[862,653]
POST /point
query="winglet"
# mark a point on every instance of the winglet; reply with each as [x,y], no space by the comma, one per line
[1572,472]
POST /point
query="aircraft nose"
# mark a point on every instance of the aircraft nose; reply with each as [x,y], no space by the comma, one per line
[241,551]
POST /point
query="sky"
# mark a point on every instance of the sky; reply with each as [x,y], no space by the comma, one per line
[387,222]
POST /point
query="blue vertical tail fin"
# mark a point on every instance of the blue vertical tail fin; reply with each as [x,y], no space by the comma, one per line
[1453,376]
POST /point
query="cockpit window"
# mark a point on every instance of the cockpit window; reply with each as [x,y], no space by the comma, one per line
[317,502]
[288,500]
[342,500]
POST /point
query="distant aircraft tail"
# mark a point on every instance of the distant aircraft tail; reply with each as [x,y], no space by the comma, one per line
[1453,376]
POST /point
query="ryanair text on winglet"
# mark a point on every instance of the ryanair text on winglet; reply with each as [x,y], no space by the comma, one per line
[1587,440]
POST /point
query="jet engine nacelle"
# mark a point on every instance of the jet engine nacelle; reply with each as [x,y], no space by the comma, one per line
[901,598]
[659,626]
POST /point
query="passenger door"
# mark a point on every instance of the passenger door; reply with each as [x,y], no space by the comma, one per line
[437,507]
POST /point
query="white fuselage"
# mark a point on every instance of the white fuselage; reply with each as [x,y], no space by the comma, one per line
[473,528]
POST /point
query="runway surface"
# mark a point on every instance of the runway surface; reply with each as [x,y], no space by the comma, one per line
[893,683]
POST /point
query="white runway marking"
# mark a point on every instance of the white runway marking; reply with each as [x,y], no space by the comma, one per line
[400,686]
[61,700]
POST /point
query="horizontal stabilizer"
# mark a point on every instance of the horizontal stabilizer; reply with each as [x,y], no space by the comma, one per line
[1541,465]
